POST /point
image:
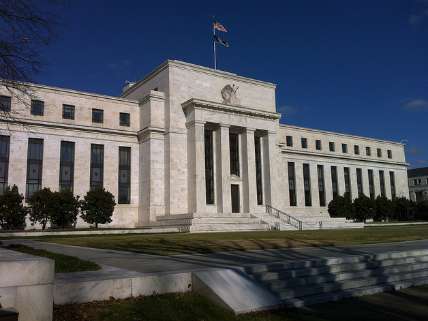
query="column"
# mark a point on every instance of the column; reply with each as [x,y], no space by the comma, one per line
[376,181]
[366,185]
[196,163]
[328,184]
[354,185]
[313,170]
[249,171]
[341,180]
[387,184]
[269,161]
[300,188]
[223,172]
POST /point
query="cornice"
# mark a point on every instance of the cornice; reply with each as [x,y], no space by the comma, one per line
[210,105]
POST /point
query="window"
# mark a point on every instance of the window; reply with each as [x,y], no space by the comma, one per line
[66,166]
[379,152]
[304,143]
[124,119]
[321,185]
[234,153]
[292,184]
[347,177]
[332,146]
[97,167]
[360,181]
[97,115]
[5,103]
[371,184]
[368,151]
[344,148]
[334,182]
[382,183]
[356,150]
[392,180]
[318,145]
[259,178]
[34,166]
[209,166]
[4,162]
[67,111]
[289,141]
[124,175]
[389,152]
[37,107]
[307,184]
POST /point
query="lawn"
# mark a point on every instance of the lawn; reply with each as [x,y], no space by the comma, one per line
[63,263]
[178,243]
[406,305]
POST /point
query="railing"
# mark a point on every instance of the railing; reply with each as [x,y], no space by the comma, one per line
[284,217]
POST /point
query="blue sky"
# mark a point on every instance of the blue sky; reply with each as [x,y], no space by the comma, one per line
[358,67]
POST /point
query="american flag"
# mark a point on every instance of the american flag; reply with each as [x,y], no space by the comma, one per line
[217,25]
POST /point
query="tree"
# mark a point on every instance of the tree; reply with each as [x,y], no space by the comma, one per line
[404,209]
[64,209]
[12,210]
[97,207]
[383,209]
[41,206]
[422,210]
[341,206]
[364,208]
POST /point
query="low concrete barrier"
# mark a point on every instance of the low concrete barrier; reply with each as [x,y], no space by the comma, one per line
[26,285]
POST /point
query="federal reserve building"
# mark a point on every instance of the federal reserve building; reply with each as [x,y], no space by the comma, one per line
[194,148]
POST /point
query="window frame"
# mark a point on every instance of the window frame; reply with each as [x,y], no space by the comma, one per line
[37,107]
[94,117]
[125,122]
[7,105]
[71,108]
[124,166]
[32,162]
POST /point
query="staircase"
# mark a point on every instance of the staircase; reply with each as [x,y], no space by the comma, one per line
[302,283]
[279,220]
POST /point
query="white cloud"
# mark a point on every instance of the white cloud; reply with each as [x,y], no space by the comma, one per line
[415,105]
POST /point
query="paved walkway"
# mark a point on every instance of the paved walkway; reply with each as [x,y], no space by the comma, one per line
[147,263]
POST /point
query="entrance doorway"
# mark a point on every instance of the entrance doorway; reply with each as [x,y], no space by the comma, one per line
[236,202]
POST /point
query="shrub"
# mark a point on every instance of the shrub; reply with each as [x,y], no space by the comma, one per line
[64,209]
[364,208]
[422,210]
[12,211]
[41,207]
[383,209]
[404,209]
[97,207]
[341,206]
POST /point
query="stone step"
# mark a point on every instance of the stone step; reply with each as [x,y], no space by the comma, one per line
[226,220]
[228,227]
[325,278]
[349,284]
[338,295]
[287,273]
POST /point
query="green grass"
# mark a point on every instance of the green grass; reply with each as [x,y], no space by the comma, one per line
[63,263]
[406,305]
[178,243]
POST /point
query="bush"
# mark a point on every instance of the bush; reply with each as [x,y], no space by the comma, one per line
[404,209]
[41,207]
[341,206]
[422,211]
[12,211]
[364,208]
[383,209]
[64,209]
[97,207]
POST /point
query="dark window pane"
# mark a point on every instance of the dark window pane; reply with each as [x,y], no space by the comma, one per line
[357,150]
[37,107]
[259,178]
[307,184]
[318,144]
[289,141]
[321,185]
[125,119]
[392,181]
[209,166]
[66,164]
[368,151]
[124,175]
[360,181]
[304,143]
[34,165]
[334,181]
[379,152]
[68,111]
[5,103]
[234,153]
[344,148]
[389,153]
[382,183]
[97,166]
[4,162]
[97,115]
[292,184]
[331,146]
[371,184]
[347,177]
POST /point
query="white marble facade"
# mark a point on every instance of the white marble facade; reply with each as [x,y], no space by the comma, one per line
[170,110]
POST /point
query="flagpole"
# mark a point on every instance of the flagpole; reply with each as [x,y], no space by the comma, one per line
[215,53]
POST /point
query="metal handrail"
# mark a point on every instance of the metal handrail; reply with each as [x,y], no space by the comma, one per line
[284,217]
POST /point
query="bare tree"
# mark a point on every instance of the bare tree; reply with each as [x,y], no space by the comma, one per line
[26,26]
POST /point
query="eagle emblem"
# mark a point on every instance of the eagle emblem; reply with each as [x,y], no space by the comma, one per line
[229,95]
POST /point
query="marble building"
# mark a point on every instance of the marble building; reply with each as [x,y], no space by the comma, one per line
[418,184]
[193,147]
